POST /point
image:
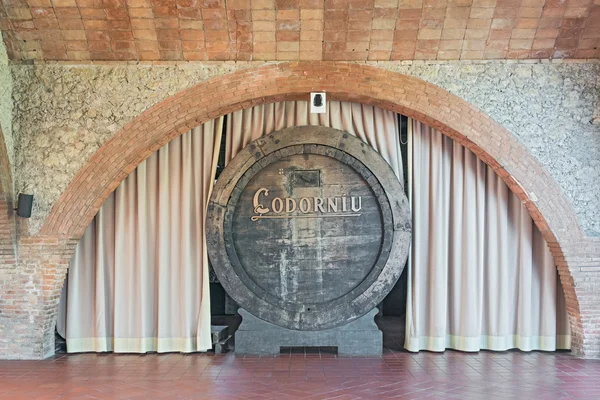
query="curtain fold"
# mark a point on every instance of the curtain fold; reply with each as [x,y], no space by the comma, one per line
[139,278]
[480,274]
[373,125]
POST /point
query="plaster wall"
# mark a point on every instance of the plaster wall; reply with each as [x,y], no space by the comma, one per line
[64,112]
[6,104]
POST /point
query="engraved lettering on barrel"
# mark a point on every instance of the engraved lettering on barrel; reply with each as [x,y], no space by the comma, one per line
[359,206]
[319,206]
[258,208]
[290,205]
[304,205]
[332,205]
[277,205]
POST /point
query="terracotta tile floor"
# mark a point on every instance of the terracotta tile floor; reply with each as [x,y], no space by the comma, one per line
[311,375]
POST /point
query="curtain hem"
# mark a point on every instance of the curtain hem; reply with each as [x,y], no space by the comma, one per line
[136,345]
[484,342]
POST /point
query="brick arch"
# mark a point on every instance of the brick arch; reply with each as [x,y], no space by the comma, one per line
[403,94]
[7,222]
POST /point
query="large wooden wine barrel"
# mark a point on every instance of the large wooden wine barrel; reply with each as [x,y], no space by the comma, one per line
[308,228]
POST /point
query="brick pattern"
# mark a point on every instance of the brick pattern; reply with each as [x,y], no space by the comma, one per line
[43,259]
[8,247]
[310,376]
[8,250]
[8,259]
[300,29]
[7,221]
[30,296]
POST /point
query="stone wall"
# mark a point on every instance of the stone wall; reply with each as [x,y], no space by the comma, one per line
[549,107]
[64,113]
[6,103]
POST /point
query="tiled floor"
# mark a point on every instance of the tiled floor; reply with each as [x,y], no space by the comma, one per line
[306,374]
[486,375]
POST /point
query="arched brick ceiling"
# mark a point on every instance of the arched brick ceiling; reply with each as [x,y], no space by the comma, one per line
[300,29]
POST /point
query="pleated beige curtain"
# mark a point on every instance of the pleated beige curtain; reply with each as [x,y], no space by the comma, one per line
[139,278]
[480,273]
[373,125]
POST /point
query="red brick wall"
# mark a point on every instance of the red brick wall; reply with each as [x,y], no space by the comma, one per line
[300,29]
[43,259]
[7,226]
[8,256]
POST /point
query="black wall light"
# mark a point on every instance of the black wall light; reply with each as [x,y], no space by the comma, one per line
[318,100]
[24,205]
[318,103]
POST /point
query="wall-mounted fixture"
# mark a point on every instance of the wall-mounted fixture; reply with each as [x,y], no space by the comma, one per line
[318,103]
[24,205]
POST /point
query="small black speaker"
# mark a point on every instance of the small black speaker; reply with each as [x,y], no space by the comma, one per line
[24,206]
